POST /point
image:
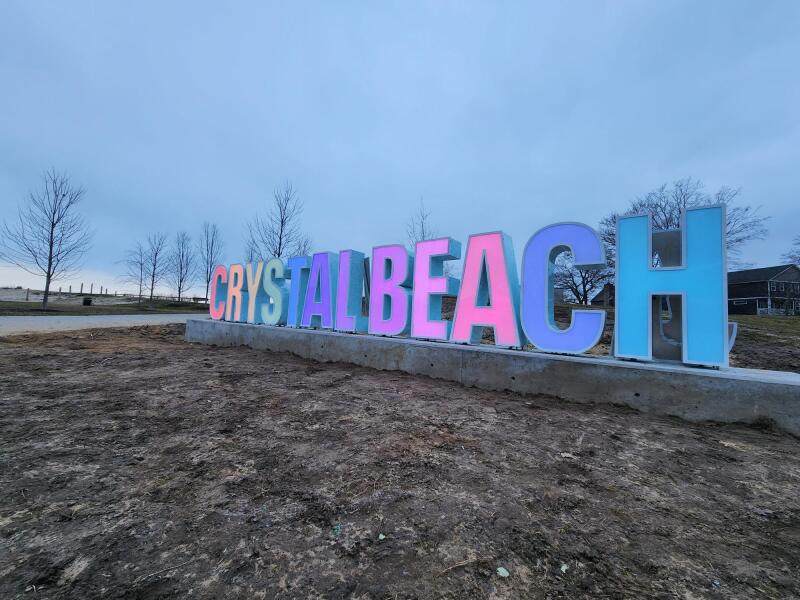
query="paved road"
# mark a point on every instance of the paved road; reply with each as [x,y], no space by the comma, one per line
[15,325]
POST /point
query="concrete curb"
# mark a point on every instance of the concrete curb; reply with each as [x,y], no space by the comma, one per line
[693,394]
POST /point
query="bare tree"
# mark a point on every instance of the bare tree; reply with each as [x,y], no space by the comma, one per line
[156,264]
[303,246]
[420,227]
[136,267]
[580,283]
[279,233]
[250,252]
[666,203]
[181,264]
[210,251]
[48,238]
[793,255]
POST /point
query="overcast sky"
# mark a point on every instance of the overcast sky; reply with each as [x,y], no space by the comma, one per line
[500,116]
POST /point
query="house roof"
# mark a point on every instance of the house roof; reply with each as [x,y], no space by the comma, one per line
[762,274]
[608,286]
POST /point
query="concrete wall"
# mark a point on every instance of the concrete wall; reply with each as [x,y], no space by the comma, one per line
[732,395]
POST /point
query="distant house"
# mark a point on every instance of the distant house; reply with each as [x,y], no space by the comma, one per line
[604,297]
[765,291]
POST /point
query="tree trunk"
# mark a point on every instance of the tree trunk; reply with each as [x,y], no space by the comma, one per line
[49,273]
[46,293]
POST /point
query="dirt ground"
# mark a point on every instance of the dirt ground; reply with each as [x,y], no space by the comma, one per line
[767,343]
[135,465]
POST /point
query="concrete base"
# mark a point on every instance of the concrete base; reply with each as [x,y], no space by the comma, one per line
[731,395]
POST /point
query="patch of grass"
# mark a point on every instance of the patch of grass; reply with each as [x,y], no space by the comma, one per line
[8,308]
[768,328]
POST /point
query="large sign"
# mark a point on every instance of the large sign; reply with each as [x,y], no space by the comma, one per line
[670,288]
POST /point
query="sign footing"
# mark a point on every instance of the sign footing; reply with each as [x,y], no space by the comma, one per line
[727,395]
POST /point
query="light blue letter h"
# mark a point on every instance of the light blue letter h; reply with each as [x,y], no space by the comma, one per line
[701,281]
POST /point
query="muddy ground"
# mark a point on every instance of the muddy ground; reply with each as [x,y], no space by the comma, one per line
[135,465]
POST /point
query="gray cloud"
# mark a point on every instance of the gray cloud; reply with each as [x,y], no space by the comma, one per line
[501,116]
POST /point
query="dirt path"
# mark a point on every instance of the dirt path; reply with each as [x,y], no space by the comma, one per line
[135,465]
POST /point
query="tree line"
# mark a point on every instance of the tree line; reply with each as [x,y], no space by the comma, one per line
[178,263]
[183,262]
[50,238]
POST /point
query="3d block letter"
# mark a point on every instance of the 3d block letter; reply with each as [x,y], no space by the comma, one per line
[318,309]
[390,298]
[489,295]
[274,308]
[430,284]
[219,287]
[349,292]
[538,266]
[233,308]
[298,273]
[700,280]
[255,294]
